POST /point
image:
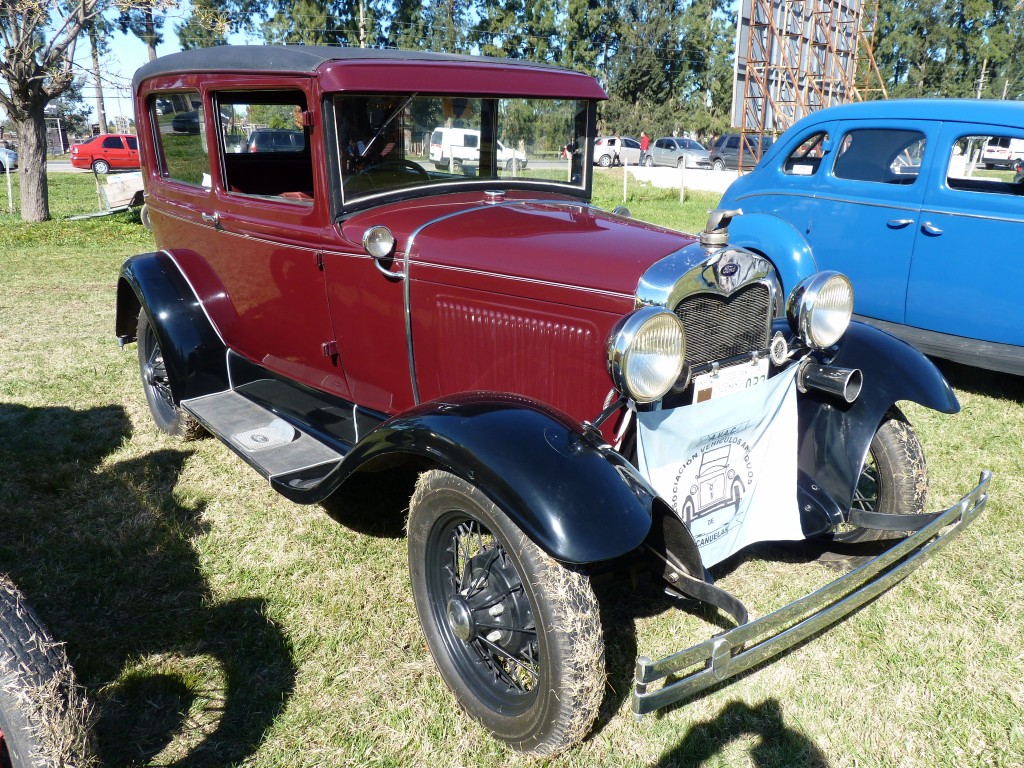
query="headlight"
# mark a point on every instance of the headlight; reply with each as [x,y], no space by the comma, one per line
[646,352]
[819,309]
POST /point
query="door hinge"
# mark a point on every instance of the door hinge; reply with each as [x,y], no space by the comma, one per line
[329,348]
[307,119]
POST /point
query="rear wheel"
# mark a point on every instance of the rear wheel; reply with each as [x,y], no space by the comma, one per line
[515,634]
[101,166]
[649,161]
[156,385]
[894,479]
[604,161]
[719,164]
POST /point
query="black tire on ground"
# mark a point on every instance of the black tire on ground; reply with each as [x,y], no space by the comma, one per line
[604,161]
[515,634]
[894,479]
[719,164]
[167,416]
[101,166]
[43,717]
[649,161]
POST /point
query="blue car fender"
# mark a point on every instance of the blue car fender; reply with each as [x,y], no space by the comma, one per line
[778,241]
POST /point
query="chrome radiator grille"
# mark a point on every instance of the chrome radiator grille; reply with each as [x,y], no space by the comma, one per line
[718,327]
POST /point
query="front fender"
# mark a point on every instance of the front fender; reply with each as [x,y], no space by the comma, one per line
[192,349]
[579,501]
[835,437]
[778,241]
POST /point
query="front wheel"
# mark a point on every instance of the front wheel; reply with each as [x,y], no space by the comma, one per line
[156,385]
[515,634]
[894,479]
[101,166]
[649,161]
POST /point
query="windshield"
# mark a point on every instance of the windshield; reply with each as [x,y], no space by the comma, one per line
[408,142]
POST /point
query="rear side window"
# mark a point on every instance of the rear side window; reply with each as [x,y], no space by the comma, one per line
[880,155]
[180,136]
[133,142]
[975,166]
[806,158]
[113,142]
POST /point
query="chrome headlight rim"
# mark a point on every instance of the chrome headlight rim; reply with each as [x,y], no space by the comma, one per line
[624,344]
[812,311]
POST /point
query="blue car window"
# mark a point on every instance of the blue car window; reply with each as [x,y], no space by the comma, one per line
[971,168]
[806,158]
[881,155]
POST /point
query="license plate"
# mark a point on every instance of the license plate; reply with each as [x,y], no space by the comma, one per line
[725,381]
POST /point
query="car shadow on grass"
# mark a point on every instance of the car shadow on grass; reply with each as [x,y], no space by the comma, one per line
[981,381]
[105,553]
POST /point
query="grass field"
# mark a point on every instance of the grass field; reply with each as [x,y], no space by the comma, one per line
[214,623]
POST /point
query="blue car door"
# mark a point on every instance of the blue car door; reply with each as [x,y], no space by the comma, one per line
[966,276]
[867,207]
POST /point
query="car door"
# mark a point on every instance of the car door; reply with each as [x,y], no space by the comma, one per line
[865,214]
[665,152]
[630,151]
[966,275]
[114,151]
[133,151]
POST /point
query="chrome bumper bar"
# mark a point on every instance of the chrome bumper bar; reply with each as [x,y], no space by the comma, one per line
[743,647]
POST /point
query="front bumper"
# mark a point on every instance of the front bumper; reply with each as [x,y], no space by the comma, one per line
[728,654]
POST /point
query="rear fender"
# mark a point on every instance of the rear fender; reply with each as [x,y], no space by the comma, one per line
[193,351]
[579,500]
[835,437]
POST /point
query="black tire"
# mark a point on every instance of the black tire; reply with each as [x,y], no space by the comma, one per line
[719,164]
[43,717]
[604,161]
[167,416]
[894,479]
[536,679]
[649,161]
[101,166]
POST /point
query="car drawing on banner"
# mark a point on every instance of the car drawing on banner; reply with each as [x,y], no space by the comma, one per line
[107,152]
[717,485]
[909,177]
[497,337]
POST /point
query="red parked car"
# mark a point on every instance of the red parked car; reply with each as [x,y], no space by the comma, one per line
[107,152]
[552,373]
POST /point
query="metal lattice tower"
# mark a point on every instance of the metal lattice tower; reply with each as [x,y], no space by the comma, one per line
[803,55]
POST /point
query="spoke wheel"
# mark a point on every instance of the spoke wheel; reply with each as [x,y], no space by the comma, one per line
[156,385]
[894,479]
[514,634]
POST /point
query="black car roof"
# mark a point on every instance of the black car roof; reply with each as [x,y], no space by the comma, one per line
[294,59]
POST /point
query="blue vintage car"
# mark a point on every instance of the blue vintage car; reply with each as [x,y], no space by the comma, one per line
[896,195]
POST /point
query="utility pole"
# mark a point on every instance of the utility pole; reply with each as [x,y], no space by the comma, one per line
[981,80]
[101,114]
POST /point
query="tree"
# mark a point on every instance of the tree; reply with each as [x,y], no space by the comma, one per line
[145,20]
[72,111]
[38,39]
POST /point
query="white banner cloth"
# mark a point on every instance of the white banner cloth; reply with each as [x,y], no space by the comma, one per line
[728,465]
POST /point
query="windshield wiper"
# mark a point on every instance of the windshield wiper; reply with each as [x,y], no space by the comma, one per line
[390,119]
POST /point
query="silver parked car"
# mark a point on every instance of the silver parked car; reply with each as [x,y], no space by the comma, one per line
[676,153]
[8,160]
[615,150]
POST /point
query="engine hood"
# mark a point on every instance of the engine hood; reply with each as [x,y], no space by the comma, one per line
[551,241]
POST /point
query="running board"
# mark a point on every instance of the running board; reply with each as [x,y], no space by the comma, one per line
[283,454]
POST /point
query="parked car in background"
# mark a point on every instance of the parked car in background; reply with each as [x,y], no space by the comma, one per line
[549,373]
[1002,152]
[724,153]
[107,152]
[275,140]
[8,160]
[616,150]
[464,145]
[889,193]
[676,153]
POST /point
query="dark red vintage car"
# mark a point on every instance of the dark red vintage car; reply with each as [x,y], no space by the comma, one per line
[554,373]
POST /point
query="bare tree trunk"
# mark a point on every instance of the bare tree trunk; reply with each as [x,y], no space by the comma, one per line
[101,114]
[150,32]
[35,197]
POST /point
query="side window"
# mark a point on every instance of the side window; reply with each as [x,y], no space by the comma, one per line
[805,159]
[264,144]
[631,143]
[133,142]
[880,155]
[180,136]
[991,164]
[733,142]
[113,142]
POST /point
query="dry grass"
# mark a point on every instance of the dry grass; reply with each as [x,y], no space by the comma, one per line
[214,623]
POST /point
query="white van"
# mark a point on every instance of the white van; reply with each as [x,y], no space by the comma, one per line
[464,145]
[1002,151]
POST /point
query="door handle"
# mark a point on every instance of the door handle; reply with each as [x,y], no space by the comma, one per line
[212,218]
[898,223]
[930,229]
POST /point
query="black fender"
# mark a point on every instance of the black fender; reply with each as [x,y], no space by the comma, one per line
[835,437]
[193,351]
[579,500]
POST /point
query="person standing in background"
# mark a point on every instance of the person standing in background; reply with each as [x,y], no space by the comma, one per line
[644,144]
